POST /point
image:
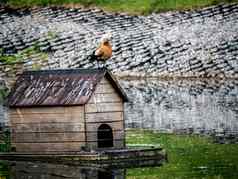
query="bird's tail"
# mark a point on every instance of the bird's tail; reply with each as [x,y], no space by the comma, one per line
[92,57]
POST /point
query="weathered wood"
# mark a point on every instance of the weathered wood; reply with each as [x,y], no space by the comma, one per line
[48,137]
[69,114]
[103,107]
[117,125]
[47,127]
[42,129]
[38,110]
[48,147]
[41,118]
[117,135]
[105,98]
[104,117]
[105,88]
[74,110]
[38,129]
[104,81]
[117,144]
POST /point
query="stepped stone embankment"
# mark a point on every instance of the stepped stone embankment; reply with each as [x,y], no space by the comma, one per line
[198,43]
[184,106]
[200,47]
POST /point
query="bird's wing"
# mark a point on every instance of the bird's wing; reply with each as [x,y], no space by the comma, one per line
[99,52]
[104,51]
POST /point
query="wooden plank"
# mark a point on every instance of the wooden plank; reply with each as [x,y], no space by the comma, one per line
[105,98]
[48,137]
[38,110]
[69,115]
[74,110]
[46,110]
[104,117]
[104,81]
[42,118]
[77,113]
[47,127]
[31,118]
[48,147]
[103,107]
[92,141]
[94,126]
[117,134]
[105,88]
[117,144]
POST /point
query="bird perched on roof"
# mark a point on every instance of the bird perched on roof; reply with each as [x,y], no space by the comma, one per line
[104,51]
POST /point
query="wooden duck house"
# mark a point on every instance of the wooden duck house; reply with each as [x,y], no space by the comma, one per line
[67,111]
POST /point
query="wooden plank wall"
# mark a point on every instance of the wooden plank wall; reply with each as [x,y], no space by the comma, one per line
[104,107]
[46,129]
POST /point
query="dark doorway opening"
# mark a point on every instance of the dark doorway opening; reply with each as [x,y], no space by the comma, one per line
[105,136]
[105,175]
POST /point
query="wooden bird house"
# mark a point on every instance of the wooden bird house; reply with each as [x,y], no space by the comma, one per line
[67,111]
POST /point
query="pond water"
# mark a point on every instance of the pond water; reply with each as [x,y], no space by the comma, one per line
[37,170]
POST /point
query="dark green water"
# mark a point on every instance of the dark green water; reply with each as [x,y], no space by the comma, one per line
[37,170]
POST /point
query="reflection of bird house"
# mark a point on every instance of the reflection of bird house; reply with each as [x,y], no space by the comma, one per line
[67,110]
[36,170]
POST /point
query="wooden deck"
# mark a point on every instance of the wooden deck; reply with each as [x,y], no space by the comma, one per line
[124,158]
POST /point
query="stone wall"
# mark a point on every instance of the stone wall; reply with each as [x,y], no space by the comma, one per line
[199,43]
[184,106]
[193,45]
[3,108]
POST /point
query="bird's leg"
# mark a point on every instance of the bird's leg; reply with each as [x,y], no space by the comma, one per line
[98,64]
[104,65]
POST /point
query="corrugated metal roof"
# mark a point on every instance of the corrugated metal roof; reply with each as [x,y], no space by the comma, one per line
[58,87]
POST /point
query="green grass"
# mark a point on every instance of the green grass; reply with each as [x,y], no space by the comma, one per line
[189,157]
[25,53]
[4,170]
[130,6]
[4,91]
[5,145]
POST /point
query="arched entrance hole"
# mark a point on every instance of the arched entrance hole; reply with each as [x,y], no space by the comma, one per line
[105,136]
[105,175]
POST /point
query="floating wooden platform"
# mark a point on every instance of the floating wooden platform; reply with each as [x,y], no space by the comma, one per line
[124,158]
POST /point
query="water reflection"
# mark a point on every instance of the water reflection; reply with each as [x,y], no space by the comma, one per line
[4,170]
[36,170]
[199,106]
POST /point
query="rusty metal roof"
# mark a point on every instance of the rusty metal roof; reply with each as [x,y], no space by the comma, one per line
[58,87]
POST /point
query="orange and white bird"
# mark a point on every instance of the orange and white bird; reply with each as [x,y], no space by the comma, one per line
[104,51]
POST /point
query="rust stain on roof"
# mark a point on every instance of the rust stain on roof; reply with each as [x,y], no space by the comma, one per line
[58,87]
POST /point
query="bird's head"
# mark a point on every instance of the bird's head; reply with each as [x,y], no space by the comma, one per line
[106,37]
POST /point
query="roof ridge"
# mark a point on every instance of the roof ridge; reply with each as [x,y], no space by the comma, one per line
[65,71]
